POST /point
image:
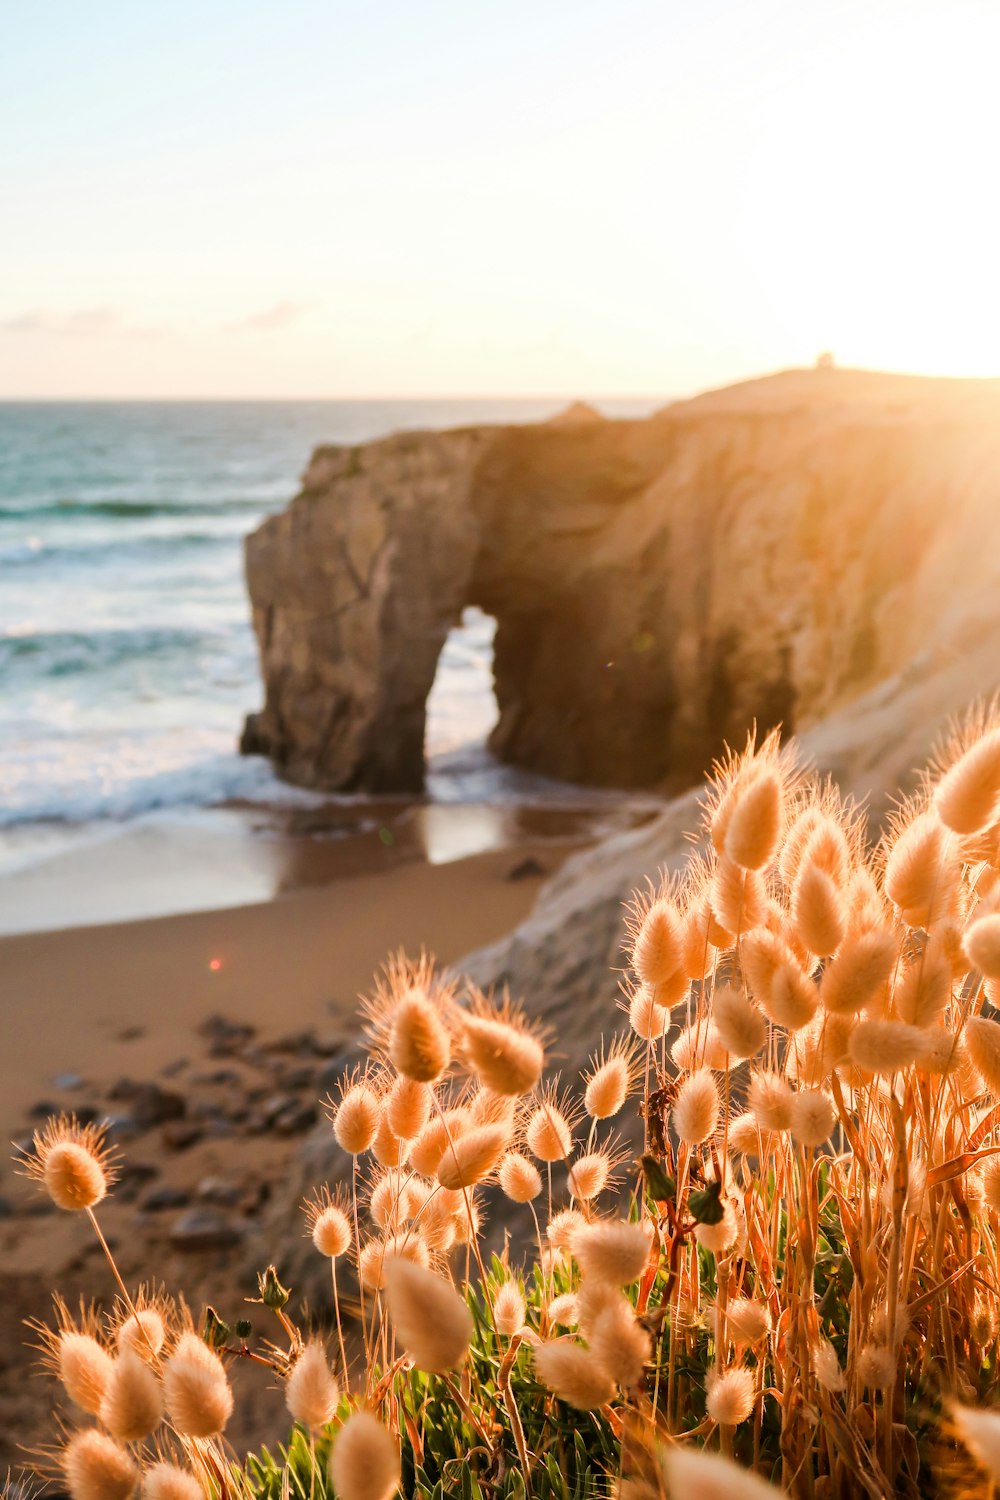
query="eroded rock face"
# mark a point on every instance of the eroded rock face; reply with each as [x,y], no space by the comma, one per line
[769,551]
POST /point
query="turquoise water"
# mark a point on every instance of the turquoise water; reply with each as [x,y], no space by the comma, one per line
[127,661]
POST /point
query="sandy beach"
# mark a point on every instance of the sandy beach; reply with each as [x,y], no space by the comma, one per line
[208,1038]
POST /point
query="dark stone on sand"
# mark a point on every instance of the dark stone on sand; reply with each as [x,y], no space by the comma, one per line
[180,1135]
[284,1114]
[226,1037]
[134,1176]
[301,1077]
[527,869]
[162,1198]
[218,1191]
[202,1229]
[149,1104]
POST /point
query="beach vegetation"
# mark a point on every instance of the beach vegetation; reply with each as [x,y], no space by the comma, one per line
[754,1249]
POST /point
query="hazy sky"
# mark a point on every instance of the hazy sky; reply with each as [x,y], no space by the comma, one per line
[407,197]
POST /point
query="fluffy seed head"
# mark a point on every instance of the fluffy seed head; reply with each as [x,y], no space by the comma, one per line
[364,1460]
[509,1310]
[96,1468]
[921,872]
[356,1120]
[562,1311]
[658,951]
[762,951]
[391,1202]
[983,1321]
[72,1163]
[729,1395]
[770,1101]
[419,1044]
[164,1481]
[431,1320]
[700,1046]
[505,1058]
[817,911]
[614,1252]
[702,939]
[876,1366]
[619,1344]
[747,1321]
[696,1109]
[826,1367]
[755,822]
[741,1027]
[143,1331]
[968,796]
[610,1080]
[747,1137]
[982,1038]
[812,1117]
[885,1046]
[132,1407]
[428,1149]
[721,1237]
[855,975]
[519,1178]
[738,896]
[198,1395]
[791,997]
[925,988]
[647,1018]
[389,1149]
[589,1175]
[311,1392]
[819,1048]
[562,1228]
[982,945]
[408,1108]
[691,1472]
[980,1432]
[490,1108]
[548,1133]
[374,1255]
[473,1157]
[991,1183]
[573,1374]
[331,1231]
[84,1368]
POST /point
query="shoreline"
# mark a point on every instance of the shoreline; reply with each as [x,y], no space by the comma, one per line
[89,1001]
[239,854]
[208,1040]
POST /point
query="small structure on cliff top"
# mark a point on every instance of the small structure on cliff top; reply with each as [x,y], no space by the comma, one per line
[763,552]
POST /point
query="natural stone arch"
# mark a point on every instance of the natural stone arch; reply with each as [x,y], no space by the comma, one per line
[657,584]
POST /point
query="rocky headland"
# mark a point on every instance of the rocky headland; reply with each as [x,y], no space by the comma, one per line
[768,551]
[817,548]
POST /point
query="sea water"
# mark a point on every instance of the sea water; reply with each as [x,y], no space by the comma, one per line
[127,659]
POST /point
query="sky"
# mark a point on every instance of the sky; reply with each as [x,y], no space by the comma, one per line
[281,198]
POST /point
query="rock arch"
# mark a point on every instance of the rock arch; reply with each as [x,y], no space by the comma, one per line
[656,584]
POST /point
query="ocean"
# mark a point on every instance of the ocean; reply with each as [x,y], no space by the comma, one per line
[127,660]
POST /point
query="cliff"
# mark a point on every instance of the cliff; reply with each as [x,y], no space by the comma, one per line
[772,550]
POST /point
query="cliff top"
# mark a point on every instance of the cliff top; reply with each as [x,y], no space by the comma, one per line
[832,389]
